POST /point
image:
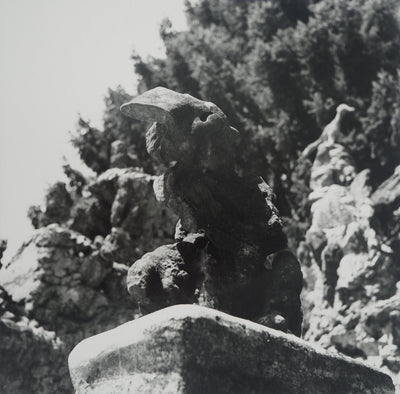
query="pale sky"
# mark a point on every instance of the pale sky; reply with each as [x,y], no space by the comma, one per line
[58,57]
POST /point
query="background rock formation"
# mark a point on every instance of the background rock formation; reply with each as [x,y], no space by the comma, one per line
[68,281]
[32,359]
[351,262]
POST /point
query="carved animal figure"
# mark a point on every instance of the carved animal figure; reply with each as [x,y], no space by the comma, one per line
[228,223]
[331,130]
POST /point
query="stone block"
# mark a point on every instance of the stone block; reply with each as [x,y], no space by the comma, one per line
[193,349]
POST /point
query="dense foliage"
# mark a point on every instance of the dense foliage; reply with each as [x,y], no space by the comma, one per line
[278,69]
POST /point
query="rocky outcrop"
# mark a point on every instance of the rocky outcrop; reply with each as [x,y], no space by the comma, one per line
[133,209]
[119,198]
[228,223]
[65,287]
[351,262]
[60,278]
[191,349]
[32,359]
[70,276]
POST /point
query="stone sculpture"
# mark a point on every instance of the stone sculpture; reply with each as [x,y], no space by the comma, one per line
[331,131]
[230,252]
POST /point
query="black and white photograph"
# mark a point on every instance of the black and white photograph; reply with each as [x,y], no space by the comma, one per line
[200,196]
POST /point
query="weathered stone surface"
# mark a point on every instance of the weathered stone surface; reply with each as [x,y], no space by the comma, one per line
[59,279]
[360,187]
[197,136]
[119,198]
[134,210]
[335,208]
[331,132]
[235,214]
[32,359]
[70,277]
[192,349]
[332,165]
[182,273]
[352,264]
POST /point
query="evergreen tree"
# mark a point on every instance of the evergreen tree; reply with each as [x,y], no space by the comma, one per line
[278,69]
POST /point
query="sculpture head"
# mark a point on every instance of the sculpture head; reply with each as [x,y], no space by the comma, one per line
[184,127]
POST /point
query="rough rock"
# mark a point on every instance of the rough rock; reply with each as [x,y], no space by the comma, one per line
[61,280]
[332,165]
[119,198]
[32,359]
[132,206]
[334,209]
[70,277]
[192,349]
[182,273]
[351,262]
[58,276]
[228,269]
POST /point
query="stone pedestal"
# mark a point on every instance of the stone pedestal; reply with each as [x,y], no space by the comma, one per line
[193,349]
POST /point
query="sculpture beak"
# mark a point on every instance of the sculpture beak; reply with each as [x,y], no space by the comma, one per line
[156,105]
